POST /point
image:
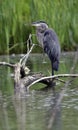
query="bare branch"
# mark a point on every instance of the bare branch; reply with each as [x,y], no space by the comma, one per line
[7,64]
[52,77]
[29,41]
[60,80]
[25,57]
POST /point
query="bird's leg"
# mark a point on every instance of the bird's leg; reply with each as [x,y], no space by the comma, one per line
[52,71]
[52,68]
[52,82]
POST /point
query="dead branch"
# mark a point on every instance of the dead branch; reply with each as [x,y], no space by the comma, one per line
[61,80]
[7,64]
[29,41]
[29,80]
[47,79]
[23,60]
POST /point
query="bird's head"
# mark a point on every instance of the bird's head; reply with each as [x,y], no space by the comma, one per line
[41,26]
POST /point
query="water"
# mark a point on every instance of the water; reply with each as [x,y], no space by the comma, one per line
[34,110]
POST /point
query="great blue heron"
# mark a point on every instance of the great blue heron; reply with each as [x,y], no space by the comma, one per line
[49,41]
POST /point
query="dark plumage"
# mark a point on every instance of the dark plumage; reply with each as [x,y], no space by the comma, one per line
[52,48]
[50,43]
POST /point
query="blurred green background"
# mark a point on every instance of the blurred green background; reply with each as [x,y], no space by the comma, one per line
[16,16]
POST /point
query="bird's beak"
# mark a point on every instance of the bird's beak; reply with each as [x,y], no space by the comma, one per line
[35,24]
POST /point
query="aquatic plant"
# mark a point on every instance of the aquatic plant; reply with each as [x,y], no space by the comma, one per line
[61,15]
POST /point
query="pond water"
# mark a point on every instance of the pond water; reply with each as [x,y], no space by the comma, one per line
[34,110]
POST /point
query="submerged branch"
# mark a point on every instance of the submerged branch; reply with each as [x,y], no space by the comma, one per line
[61,80]
[48,79]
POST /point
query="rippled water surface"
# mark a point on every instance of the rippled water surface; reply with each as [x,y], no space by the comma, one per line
[34,110]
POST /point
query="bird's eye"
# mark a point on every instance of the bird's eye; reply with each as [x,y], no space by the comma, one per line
[43,27]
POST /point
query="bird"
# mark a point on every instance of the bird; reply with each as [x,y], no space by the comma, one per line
[48,40]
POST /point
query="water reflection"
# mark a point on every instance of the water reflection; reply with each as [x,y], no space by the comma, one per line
[31,112]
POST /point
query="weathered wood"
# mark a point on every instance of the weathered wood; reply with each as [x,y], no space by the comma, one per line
[22,81]
[30,79]
[7,64]
[47,80]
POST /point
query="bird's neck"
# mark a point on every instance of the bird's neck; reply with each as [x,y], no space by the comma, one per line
[40,37]
[41,31]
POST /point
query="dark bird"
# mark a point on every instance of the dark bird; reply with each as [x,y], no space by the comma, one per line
[49,41]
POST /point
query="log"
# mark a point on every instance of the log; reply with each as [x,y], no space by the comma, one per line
[23,80]
[40,78]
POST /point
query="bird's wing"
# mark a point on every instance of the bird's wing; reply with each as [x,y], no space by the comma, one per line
[51,44]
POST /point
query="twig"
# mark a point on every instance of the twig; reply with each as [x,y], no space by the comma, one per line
[7,64]
[25,57]
[29,41]
[23,60]
[60,80]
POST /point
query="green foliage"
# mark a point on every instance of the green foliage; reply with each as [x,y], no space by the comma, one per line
[13,14]
[61,15]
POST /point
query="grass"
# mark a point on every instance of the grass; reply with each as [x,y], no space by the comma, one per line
[61,15]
